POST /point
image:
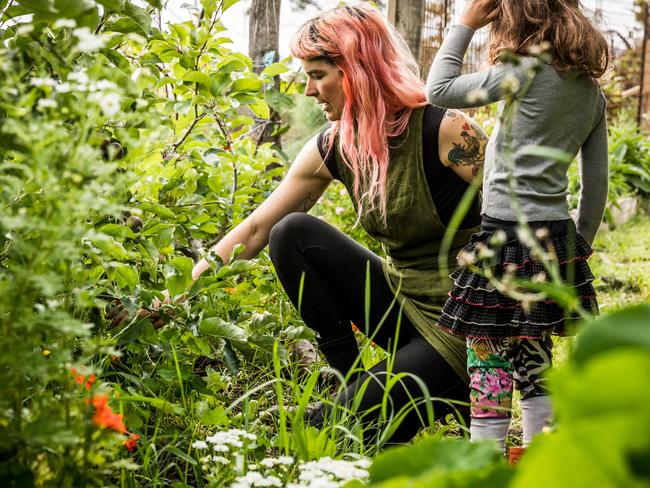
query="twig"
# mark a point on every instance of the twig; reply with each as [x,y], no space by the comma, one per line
[188,131]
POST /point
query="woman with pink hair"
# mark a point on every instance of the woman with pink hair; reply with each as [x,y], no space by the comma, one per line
[406,164]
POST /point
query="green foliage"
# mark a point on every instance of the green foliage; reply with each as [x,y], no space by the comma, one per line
[600,396]
[124,154]
[629,163]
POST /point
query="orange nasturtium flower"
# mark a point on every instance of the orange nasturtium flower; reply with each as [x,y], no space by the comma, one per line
[80,379]
[104,415]
[131,442]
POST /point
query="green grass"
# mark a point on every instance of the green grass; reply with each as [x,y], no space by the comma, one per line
[621,264]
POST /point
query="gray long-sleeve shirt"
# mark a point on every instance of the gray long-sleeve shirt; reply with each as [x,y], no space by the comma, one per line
[561,111]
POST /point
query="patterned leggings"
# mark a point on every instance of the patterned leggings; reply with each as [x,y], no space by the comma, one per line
[493,364]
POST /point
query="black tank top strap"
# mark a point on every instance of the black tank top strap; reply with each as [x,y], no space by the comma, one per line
[328,156]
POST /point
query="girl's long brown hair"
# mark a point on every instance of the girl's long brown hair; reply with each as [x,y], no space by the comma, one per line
[574,41]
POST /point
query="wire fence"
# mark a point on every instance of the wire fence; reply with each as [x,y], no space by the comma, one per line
[624,22]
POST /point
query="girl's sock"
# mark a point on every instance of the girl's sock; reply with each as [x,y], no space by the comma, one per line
[489,428]
[536,413]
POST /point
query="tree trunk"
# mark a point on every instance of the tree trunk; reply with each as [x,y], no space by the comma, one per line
[406,15]
[263,46]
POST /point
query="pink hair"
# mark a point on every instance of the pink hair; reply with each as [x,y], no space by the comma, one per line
[381,87]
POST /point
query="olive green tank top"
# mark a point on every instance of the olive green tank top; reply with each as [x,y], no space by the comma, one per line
[411,237]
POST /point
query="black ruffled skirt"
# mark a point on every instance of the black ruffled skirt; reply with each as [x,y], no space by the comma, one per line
[476,307]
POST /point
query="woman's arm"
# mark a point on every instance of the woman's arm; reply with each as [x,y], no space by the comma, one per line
[301,188]
[461,144]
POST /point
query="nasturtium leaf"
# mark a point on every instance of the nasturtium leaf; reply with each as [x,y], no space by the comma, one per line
[627,328]
[432,454]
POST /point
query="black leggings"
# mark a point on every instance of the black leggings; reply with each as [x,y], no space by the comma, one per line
[335,270]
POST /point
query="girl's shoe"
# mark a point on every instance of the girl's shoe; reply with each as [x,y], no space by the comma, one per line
[514,454]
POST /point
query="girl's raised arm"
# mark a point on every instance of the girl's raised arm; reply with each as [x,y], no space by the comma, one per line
[447,87]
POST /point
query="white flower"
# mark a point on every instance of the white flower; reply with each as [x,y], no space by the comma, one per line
[47,103]
[268,462]
[43,82]
[220,460]
[221,448]
[478,95]
[539,49]
[253,478]
[23,29]
[510,84]
[88,41]
[109,103]
[136,74]
[525,236]
[102,85]
[64,87]
[339,210]
[79,76]
[200,445]
[286,460]
[65,23]
[499,238]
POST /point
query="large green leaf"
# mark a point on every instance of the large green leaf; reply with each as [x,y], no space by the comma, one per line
[602,411]
[217,327]
[432,454]
[628,328]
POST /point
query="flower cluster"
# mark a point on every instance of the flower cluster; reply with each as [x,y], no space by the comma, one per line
[331,473]
[224,441]
[102,93]
[103,415]
[83,380]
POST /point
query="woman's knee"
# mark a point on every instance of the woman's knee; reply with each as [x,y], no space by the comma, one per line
[287,231]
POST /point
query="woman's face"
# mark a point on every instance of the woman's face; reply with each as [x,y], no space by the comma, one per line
[324,84]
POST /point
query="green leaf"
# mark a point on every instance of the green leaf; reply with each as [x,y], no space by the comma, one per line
[112,5]
[159,403]
[261,109]
[198,77]
[546,152]
[432,454]
[126,277]
[627,328]
[116,230]
[132,19]
[158,210]
[246,85]
[216,327]
[275,69]
[230,357]
[217,416]
[180,454]
[227,4]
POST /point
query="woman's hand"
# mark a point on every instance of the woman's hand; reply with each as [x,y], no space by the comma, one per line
[479,13]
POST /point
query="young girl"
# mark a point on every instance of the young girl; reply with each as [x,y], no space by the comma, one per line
[563,108]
